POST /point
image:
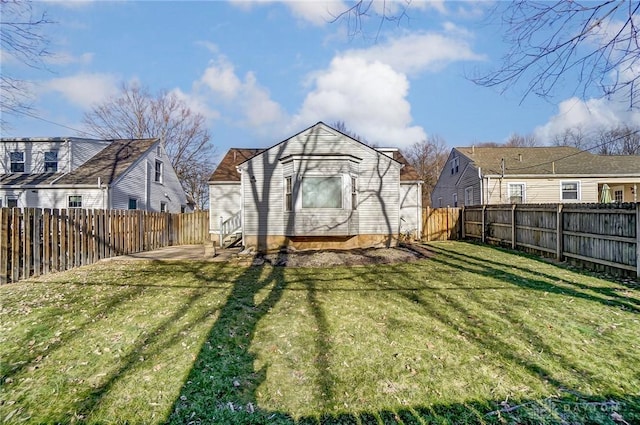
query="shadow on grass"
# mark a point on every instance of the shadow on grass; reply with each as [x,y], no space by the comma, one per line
[222,386]
[538,281]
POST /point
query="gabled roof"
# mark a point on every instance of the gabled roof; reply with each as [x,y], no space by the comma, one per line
[548,160]
[407,173]
[226,170]
[110,163]
[27,179]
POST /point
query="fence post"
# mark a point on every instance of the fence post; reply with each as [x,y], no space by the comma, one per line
[463,233]
[638,240]
[4,245]
[484,221]
[513,226]
[559,226]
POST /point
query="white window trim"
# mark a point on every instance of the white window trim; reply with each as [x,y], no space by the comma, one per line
[524,191]
[578,189]
[157,179]
[289,205]
[343,188]
[23,162]
[74,196]
[467,191]
[454,199]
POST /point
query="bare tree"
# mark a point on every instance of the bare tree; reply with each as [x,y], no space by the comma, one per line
[548,40]
[518,140]
[136,113]
[596,40]
[21,40]
[620,140]
[428,158]
[571,137]
[341,126]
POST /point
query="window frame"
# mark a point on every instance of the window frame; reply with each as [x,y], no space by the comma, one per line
[468,199]
[314,207]
[616,198]
[135,200]
[14,163]
[11,200]
[455,165]
[454,199]
[354,193]
[288,193]
[577,191]
[48,162]
[158,175]
[523,192]
[75,202]
[163,207]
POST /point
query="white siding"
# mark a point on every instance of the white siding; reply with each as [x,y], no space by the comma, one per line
[410,209]
[71,153]
[53,197]
[378,187]
[138,181]
[224,201]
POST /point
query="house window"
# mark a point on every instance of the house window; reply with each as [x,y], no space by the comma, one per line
[570,190]
[163,207]
[133,204]
[75,201]
[17,162]
[322,192]
[439,202]
[618,196]
[468,196]
[288,196]
[516,193]
[158,173]
[51,162]
[12,202]
[354,193]
[183,209]
[455,200]
[455,165]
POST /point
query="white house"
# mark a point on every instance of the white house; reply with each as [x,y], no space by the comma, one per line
[534,175]
[317,189]
[90,174]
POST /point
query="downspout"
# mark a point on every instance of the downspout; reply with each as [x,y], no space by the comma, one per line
[481,189]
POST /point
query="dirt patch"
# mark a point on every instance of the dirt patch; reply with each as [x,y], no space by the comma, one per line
[352,257]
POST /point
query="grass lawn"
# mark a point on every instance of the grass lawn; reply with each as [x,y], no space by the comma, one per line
[472,335]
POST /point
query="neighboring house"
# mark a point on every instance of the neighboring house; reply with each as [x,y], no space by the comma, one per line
[89,174]
[318,189]
[534,175]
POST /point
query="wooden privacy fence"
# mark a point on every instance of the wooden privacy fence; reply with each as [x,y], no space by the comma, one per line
[440,224]
[601,236]
[39,241]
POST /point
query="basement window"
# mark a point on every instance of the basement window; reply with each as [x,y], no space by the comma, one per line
[322,192]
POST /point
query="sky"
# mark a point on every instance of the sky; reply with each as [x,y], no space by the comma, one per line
[261,71]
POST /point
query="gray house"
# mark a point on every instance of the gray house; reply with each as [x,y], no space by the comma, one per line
[317,189]
[534,175]
[89,174]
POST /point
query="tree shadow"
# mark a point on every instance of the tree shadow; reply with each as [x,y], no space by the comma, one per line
[538,280]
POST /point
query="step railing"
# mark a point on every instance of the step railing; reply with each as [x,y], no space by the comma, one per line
[230,226]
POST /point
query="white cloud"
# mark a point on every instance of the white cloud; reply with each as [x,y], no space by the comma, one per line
[66,58]
[241,96]
[589,116]
[370,97]
[196,103]
[418,52]
[84,90]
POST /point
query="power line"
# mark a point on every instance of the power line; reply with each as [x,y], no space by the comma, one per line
[86,133]
[576,153]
